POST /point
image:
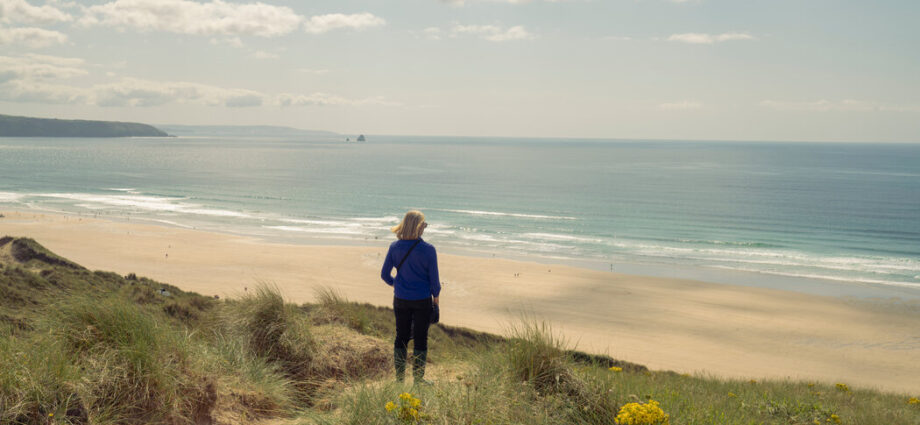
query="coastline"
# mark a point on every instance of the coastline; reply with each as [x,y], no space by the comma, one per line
[683,325]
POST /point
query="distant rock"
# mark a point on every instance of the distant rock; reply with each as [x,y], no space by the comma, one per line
[13,126]
[361,138]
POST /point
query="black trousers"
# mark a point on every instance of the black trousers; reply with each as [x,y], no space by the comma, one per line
[412,320]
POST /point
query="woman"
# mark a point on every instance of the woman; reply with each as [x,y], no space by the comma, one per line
[416,289]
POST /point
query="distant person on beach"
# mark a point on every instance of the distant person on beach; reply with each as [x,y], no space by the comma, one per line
[416,288]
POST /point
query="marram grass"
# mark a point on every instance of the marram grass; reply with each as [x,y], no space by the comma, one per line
[82,347]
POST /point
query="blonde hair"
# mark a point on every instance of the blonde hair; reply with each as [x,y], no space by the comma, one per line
[411,226]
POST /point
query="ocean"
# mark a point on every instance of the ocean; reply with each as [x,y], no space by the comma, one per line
[832,218]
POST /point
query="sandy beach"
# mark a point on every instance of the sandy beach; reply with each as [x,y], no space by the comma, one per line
[673,324]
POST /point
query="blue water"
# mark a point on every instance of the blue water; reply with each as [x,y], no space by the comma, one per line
[845,213]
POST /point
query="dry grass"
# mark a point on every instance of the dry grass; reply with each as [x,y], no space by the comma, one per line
[81,347]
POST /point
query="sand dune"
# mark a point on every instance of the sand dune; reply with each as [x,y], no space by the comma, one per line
[681,325]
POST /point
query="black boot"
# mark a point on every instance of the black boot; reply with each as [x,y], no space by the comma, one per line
[399,361]
[419,359]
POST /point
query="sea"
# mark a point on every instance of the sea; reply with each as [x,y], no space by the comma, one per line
[829,218]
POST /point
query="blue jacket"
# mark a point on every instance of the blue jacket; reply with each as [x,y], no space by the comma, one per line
[417,279]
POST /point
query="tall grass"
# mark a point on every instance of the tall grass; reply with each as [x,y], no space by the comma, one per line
[37,379]
[134,368]
[338,309]
[129,355]
[275,332]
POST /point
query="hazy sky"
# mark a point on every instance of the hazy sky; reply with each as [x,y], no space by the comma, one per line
[683,69]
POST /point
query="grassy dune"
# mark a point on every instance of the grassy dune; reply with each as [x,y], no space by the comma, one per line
[85,347]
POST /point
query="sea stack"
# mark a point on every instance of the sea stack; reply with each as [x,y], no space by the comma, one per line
[361,138]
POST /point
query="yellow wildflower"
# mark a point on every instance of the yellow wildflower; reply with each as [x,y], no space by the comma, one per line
[843,387]
[413,413]
[753,381]
[834,418]
[390,406]
[415,402]
[616,369]
[732,395]
[51,415]
[405,396]
[817,422]
[642,414]
[913,400]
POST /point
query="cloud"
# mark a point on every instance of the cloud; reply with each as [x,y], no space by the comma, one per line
[685,105]
[138,92]
[324,23]
[699,38]
[20,11]
[31,37]
[326,99]
[36,78]
[39,67]
[33,78]
[28,91]
[188,17]
[842,105]
[493,32]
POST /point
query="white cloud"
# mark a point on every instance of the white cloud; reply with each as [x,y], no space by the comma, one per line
[36,78]
[326,99]
[700,38]
[138,92]
[684,105]
[324,23]
[39,67]
[842,105]
[188,17]
[493,32]
[20,11]
[29,91]
[31,37]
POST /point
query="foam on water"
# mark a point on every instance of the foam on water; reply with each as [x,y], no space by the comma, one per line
[505,214]
[10,197]
[834,212]
[141,202]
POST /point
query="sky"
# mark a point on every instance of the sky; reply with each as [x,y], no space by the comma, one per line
[784,70]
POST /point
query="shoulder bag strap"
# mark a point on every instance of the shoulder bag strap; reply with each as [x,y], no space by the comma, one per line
[407,255]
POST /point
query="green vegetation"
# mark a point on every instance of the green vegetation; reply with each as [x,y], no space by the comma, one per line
[13,126]
[84,347]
